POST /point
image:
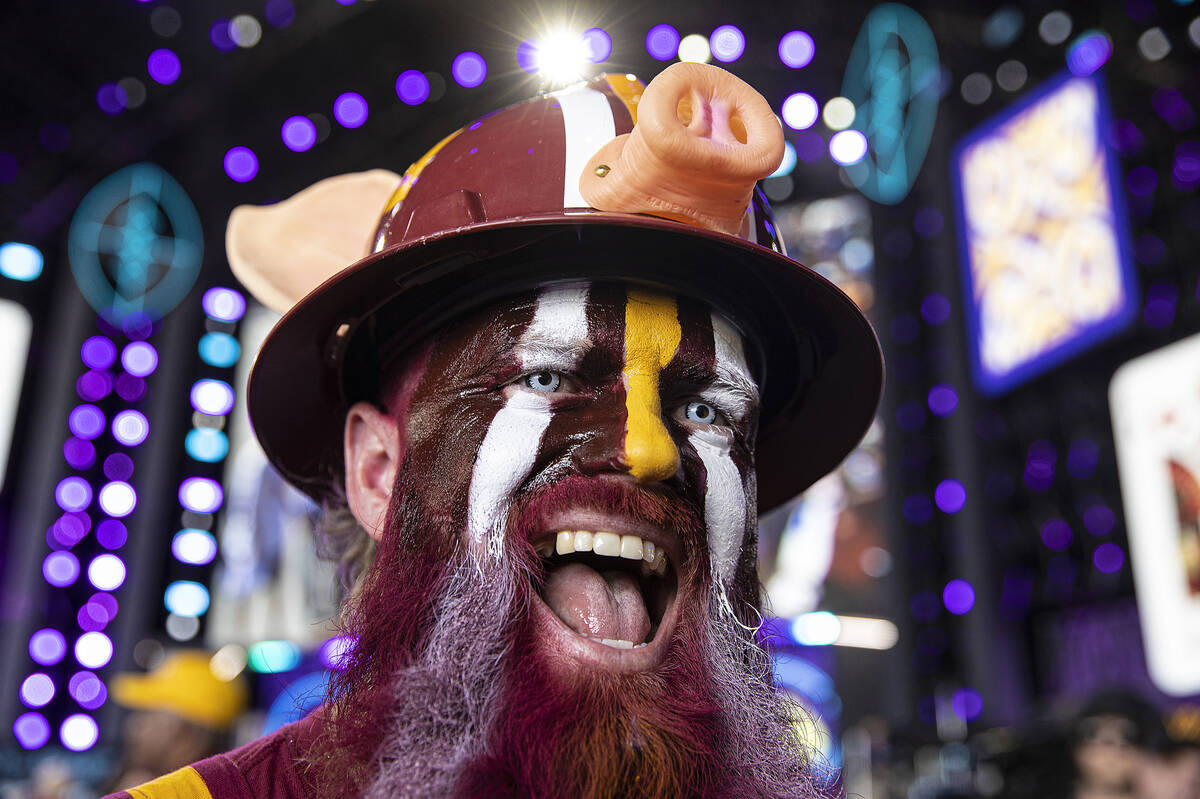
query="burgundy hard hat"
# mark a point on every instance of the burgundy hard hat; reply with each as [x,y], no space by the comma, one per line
[496,208]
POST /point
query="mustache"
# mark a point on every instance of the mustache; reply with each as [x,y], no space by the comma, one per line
[532,511]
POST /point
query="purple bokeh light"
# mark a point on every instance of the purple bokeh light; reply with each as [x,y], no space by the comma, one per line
[468,69]
[86,421]
[950,496]
[87,689]
[79,453]
[917,509]
[130,427]
[111,99]
[336,650]
[598,45]
[279,13]
[93,385]
[662,42]
[350,110]
[213,397]
[958,596]
[8,168]
[130,388]
[796,49]
[810,146]
[1089,52]
[98,352]
[70,528]
[943,400]
[1141,181]
[1061,572]
[1108,558]
[111,534]
[1174,108]
[1185,170]
[118,466]
[1126,137]
[31,730]
[138,325]
[163,66]
[91,618]
[139,358]
[60,568]
[47,646]
[37,690]
[925,606]
[1161,299]
[967,704]
[299,134]
[1056,535]
[201,494]
[1082,458]
[218,34]
[527,57]
[727,43]
[1099,519]
[73,493]
[412,87]
[928,222]
[935,308]
[910,416]
[241,164]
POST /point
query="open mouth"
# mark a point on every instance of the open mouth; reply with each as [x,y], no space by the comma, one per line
[609,590]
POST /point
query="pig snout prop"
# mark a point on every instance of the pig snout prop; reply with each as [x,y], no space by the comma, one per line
[702,139]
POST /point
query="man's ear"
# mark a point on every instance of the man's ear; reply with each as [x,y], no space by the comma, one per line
[373,454]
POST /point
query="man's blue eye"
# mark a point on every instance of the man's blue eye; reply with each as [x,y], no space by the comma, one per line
[544,381]
[701,412]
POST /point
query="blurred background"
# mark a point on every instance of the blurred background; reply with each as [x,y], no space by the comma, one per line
[997,591]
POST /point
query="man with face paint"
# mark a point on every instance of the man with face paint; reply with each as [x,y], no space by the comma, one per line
[542,415]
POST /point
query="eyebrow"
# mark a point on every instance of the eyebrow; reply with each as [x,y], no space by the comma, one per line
[551,353]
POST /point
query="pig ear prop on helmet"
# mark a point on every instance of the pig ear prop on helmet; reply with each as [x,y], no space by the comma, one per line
[703,138]
[281,252]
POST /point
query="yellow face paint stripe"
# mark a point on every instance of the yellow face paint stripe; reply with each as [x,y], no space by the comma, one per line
[652,335]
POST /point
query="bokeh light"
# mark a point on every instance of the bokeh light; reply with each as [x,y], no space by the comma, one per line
[468,69]
[335,651]
[245,30]
[98,352]
[839,113]
[950,496]
[111,99]
[942,399]
[32,731]
[270,657]
[224,305]
[218,34]
[727,43]
[241,164]
[1056,535]
[1089,52]
[111,534]
[130,427]
[86,421]
[1055,27]
[214,397]
[201,494]
[662,42]
[79,453]
[163,66]
[958,596]
[93,650]
[78,732]
[117,499]
[412,87]
[20,261]
[87,689]
[193,546]
[1108,558]
[597,45]
[47,646]
[847,147]
[800,111]
[693,48]
[37,690]
[186,598]
[796,49]
[106,572]
[60,569]
[299,134]
[219,349]
[1154,45]
[206,444]
[93,385]
[967,704]
[73,493]
[788,163]
[350,110]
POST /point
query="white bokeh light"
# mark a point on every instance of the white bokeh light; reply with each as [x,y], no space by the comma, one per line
[78,732]
[848,147]
[106,572]
[839,113]
[800,111]
[201,494]
[561,56]
[93,650]
[694,48]
[118,499]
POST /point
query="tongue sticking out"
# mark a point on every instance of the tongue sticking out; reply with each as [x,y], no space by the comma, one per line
[607,605]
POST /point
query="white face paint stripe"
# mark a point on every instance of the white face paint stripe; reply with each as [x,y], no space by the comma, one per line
[739,391]
[724,502]
[514,437]
[588,120]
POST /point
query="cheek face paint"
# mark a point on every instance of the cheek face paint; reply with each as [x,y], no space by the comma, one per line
[724,501]
[554,340]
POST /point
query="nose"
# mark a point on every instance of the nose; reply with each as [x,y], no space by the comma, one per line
[652,335]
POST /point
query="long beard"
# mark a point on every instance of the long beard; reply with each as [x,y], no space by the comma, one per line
[448,694]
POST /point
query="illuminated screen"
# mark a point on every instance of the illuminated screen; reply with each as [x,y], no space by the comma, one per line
[1044,250]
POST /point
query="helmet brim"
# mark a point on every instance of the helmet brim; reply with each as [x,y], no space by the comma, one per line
[818,360]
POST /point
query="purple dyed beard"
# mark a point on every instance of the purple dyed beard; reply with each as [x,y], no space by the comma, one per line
[459,701]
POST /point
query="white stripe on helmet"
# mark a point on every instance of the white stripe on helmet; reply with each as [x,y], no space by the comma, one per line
[588,123]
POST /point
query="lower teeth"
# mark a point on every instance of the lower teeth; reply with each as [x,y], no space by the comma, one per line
[616,643]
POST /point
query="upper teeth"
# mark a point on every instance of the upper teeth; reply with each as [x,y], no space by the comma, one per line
[612,545]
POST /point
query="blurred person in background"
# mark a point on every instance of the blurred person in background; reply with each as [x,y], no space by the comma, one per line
[1112,742]
[1171,773]
[181,712]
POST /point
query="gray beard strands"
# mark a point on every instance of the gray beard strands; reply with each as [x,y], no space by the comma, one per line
[447,704]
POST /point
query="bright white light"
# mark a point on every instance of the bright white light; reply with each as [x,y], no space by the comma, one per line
[130,427]
[118,499]
[78,732]
[245,30]
[847,147]
[800,111]
[186,598]
[194,546]
[694,48]
[561,56]
[228,662]
[820,628]
[20,261]
[214,397]
[839,113]
[106,572]
[788,163]
[864,633]
[201,494]
[93,650]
